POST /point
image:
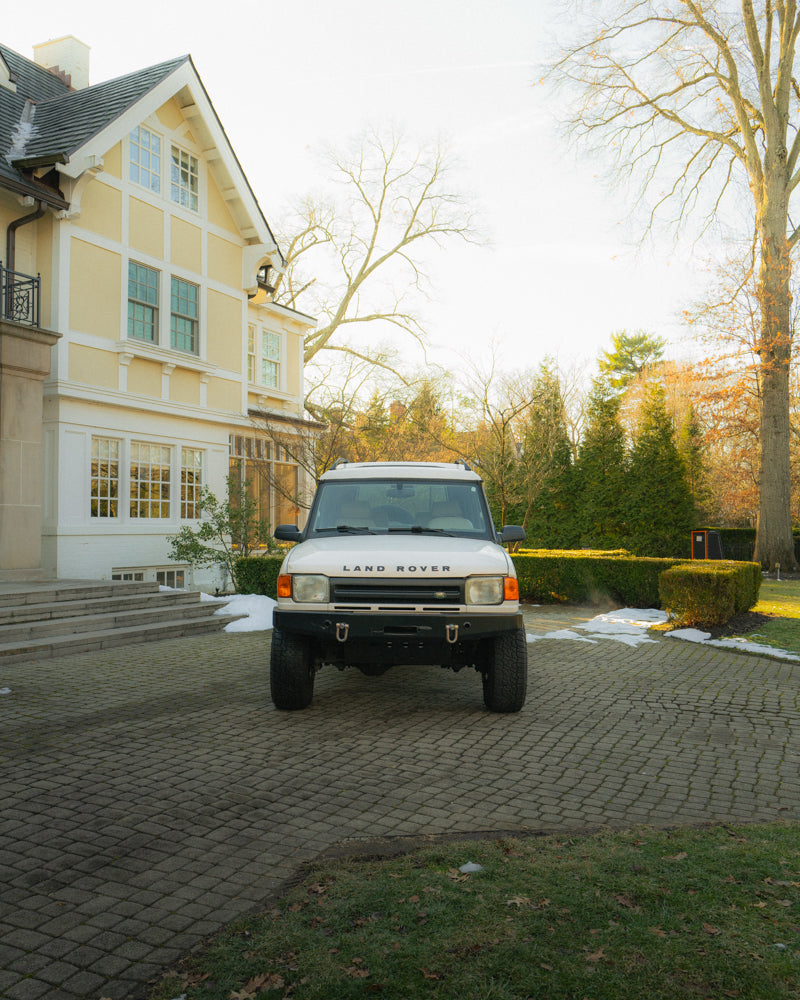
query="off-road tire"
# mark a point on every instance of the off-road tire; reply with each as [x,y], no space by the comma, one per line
[291,671]
[505,676]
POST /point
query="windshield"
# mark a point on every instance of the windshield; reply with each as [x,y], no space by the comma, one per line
[406,506]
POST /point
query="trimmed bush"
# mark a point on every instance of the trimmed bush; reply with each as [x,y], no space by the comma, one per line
[709,593]
[589,577]
[258,575]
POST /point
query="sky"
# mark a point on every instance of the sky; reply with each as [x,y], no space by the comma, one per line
[562,271]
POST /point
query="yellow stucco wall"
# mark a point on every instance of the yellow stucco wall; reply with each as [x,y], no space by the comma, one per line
[218,214]
[101,210]
[144,378]
[224,318]
[146,226]
[44,266]
[9,212]
[169,115]
[186,245]
[93,367]
[184,387]
[95,289]
[224,395]
[112,161]
[225,261]
[292,362]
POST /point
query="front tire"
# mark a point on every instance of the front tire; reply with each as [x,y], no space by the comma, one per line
[291,671]
[505,677]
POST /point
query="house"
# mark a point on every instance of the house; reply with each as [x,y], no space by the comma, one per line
[139,342]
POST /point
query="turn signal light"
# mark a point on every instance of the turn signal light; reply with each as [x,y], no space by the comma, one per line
[284,585]
[510,588]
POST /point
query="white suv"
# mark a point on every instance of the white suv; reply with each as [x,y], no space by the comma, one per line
[399,563]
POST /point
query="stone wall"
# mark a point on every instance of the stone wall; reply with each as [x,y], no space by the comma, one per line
[24,365]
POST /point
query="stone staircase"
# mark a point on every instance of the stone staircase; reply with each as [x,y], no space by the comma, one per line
[58,617]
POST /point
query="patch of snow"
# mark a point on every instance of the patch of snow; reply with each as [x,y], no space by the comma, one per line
[693,635]
[5,690]
[257,608]
[628,625]
[22,134]
[689,634]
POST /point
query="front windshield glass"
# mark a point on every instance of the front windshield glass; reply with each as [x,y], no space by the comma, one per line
[411,506]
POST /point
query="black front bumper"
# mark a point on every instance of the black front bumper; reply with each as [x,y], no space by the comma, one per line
[361,637]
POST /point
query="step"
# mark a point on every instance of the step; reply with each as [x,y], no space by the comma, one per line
[72,590]
[20,629]
[86,642]
[12,614]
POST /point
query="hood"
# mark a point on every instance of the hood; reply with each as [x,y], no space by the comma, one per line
[398,556]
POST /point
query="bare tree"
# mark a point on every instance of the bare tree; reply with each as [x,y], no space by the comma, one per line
[497,404]
[368,249]
[702,93]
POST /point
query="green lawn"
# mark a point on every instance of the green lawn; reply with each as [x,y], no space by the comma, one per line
[781,600]
[713,912]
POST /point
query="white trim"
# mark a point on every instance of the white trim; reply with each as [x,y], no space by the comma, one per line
[145,404]
[185,86]
[164,355]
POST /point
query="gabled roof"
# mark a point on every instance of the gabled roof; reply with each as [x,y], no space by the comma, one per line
[62,124]
[43,122]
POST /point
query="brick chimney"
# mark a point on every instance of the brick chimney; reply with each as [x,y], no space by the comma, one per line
[67,58]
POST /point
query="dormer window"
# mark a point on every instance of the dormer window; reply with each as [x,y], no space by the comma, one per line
[145,158]
[184,179]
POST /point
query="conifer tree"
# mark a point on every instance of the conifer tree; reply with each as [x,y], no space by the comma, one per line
[660,504]
[632,354]
[546,468]
[690,448]
[600,472]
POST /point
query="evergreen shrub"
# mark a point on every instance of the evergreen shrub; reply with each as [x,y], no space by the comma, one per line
[549,576]
[258,575]
[709,593]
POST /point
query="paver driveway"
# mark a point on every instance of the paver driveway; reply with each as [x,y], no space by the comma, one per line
[151,794]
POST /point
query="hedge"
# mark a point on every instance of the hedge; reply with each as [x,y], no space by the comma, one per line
[696,592]
[548,576]
[702,593]
[258,575]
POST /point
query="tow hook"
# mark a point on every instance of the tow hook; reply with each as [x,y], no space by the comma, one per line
[342,628]
[451,633]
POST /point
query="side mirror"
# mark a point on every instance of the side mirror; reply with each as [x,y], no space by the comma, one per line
[511,533]
[288,533]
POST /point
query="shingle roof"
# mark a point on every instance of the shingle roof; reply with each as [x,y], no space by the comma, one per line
[60,120]
[63,124]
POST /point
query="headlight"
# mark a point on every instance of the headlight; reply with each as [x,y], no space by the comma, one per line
[308,589]
[484,590]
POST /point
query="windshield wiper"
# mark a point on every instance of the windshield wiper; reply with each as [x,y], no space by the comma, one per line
[347,529]
[418,529]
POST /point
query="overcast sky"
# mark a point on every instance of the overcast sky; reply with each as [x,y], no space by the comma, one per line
[560,276]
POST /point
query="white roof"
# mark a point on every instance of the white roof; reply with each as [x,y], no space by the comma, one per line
[401,470]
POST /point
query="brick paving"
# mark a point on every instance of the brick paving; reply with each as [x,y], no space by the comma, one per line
[151,794]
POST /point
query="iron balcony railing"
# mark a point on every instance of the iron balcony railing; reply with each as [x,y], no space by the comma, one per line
[20,297]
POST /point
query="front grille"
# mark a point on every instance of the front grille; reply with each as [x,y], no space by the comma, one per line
[431,593]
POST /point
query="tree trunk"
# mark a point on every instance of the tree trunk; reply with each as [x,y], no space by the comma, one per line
[774,542]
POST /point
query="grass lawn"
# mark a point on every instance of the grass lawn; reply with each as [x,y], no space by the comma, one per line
[780,599]
[692,913]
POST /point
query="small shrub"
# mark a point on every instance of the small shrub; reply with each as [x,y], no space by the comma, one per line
[258,575]
[709,593]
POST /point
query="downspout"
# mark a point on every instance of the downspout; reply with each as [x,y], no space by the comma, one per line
[11,234]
